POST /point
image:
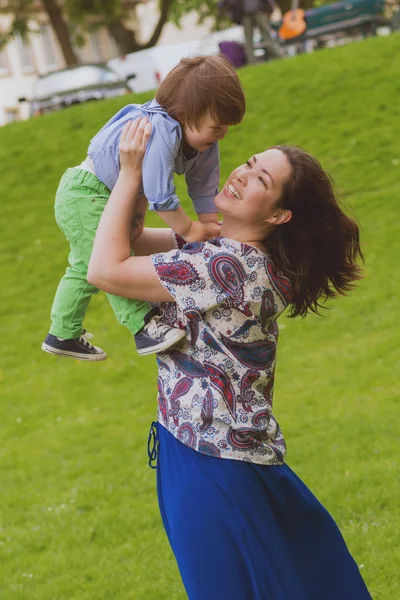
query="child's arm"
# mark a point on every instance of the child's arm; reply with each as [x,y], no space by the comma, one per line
[202,182]
[211,217]
[191,231]
[159,187]
[177,220]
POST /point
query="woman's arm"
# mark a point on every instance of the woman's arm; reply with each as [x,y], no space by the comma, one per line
[153,240]
[149,240]
[111,267]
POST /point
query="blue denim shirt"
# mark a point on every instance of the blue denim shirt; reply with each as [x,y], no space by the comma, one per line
[163,158]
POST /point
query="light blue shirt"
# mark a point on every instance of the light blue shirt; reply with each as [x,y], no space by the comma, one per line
[163,158]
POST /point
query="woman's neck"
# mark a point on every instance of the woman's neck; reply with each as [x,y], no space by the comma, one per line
[253,236]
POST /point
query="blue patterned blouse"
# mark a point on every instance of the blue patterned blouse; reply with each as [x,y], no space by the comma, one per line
[215,388]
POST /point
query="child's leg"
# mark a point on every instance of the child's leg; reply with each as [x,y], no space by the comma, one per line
[80,200]
[150,333]
[130,313]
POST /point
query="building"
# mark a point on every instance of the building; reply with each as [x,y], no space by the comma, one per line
[21,61]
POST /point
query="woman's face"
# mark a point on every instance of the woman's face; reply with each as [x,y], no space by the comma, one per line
[253,189]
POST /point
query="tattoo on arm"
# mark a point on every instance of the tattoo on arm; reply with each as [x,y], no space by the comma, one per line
[137,221]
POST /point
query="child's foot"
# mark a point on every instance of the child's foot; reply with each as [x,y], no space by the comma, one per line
[156,336]
[80,348]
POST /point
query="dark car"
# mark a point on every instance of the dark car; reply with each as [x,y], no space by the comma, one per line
[60,89]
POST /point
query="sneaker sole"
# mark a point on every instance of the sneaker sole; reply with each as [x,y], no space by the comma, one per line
[65,354]
[161,347]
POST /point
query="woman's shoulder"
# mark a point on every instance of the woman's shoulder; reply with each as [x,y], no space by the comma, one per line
[258,267]
[221,245]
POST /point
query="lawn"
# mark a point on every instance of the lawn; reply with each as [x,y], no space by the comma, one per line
[79,517]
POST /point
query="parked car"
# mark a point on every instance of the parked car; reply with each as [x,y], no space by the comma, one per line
[75,85]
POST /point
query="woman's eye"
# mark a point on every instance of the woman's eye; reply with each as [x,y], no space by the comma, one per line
[262,181]
[248,164]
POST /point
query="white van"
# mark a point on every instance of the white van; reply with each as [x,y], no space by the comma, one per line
[139,68]
[166,57]
[149,67]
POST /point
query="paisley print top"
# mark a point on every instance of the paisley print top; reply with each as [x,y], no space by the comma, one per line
[215,387]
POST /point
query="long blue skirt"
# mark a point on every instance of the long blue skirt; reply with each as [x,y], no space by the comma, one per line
[241,531]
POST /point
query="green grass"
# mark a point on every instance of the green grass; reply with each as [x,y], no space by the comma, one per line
[79,516]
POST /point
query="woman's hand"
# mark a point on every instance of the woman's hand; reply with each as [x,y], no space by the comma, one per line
[132,145]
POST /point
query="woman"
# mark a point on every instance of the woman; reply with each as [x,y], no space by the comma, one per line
[241,524]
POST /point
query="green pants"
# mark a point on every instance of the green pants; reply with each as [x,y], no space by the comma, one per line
[80,201]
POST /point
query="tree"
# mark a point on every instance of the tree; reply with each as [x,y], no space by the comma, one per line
[114,15]
[71,18]
[61,31]
[23,11]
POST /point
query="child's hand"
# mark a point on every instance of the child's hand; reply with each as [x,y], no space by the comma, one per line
[132,145]
[212,229]
[201,232]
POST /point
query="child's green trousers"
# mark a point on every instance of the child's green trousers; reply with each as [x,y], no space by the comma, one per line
[80,201]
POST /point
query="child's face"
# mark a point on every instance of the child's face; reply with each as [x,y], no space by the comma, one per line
[205,134]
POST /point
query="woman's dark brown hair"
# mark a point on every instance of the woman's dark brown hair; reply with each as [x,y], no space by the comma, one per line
[203,84]
[318,249]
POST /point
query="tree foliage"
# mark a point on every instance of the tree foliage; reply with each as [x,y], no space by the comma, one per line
[70,20]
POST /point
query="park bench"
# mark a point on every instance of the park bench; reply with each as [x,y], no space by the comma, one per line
[366,15]
[331,19]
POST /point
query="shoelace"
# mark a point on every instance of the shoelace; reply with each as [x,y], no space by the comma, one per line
[156,326]
[84,339]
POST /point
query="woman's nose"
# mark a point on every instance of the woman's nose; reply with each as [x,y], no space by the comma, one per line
[241,175]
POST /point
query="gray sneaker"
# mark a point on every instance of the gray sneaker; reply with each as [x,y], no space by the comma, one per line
[156,336]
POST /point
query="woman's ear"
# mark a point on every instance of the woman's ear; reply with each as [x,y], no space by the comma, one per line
[280,217]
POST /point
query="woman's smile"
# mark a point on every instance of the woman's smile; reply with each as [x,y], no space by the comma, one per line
[230,190]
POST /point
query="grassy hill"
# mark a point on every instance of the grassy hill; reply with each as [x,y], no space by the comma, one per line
[79,517]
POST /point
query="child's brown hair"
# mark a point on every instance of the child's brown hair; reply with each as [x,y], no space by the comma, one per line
[203,84]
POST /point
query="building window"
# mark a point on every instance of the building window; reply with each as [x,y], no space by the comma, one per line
[26,54]
[11,115]
[4,63]
[49,47]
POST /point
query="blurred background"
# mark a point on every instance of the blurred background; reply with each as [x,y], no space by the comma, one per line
[131,45]
[78,510]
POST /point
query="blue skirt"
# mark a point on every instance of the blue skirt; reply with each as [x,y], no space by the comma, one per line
[242,531]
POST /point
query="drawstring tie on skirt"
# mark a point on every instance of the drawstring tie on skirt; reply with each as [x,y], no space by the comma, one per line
[152,445]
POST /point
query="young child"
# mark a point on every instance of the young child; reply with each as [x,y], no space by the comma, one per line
[194,106]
